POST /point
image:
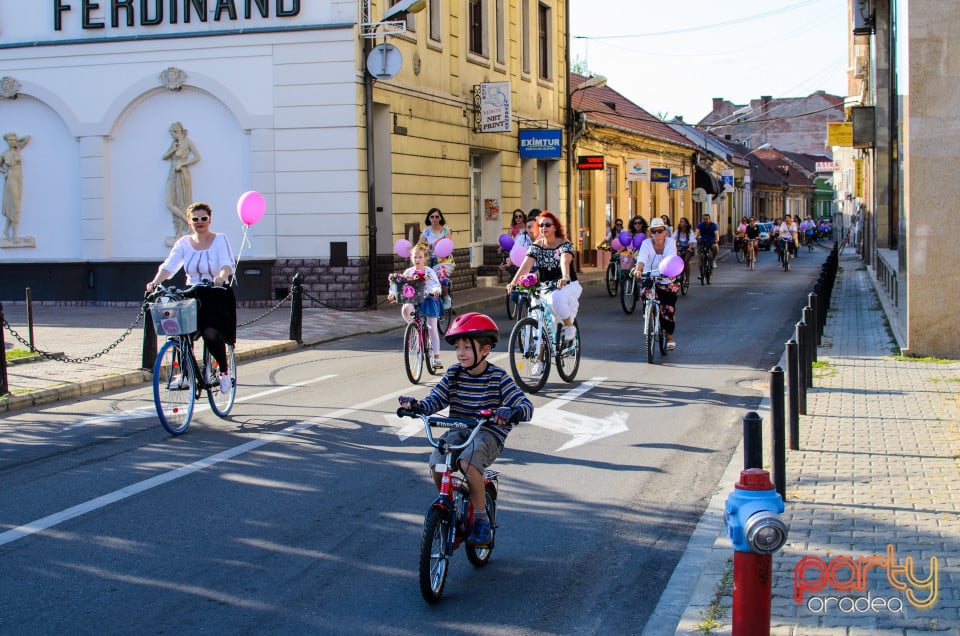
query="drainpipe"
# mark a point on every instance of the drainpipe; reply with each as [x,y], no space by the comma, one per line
[371,179]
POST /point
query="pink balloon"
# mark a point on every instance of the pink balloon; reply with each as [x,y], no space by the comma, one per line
[250,207]
[671,266]
[517,254]
[443,248]
[402,248]
[615,244]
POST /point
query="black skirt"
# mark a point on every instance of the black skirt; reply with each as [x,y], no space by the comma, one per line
[217,308]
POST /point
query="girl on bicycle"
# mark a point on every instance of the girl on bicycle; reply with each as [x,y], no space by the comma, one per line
[430,307]
[552,255]
[206,255]
[686,244]
[469,387]
[649,256]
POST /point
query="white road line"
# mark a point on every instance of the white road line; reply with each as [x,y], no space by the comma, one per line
[144,412]
[57,518]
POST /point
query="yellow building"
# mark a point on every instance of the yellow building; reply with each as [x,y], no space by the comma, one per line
[475,78]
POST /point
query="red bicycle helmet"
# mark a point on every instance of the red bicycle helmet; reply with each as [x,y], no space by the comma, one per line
[472,325]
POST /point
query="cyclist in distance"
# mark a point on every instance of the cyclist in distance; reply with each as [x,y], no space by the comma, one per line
[206,255]
[552,255]
[686,244]
[469,387]
[431,306]
[753,239]
[786,236]
[649,256]
[707,235]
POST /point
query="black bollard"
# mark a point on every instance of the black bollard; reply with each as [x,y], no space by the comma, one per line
[809,320]
[29,299]
[793,396]
[3,358]
[814,323]
[296,309]
[752,441]
[800,335]
[778,432]
[148,354]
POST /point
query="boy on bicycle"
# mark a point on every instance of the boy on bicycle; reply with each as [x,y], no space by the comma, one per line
[468,388]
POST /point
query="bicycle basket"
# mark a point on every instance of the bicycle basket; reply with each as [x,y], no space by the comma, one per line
[174,318]
[411,292]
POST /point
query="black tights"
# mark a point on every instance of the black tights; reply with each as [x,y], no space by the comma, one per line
[217,347]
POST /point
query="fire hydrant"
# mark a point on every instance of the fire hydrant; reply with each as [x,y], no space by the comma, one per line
[752,515]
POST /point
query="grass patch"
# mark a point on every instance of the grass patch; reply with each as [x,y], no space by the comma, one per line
[909,358]
[823,369]
[711,615]
[19,354]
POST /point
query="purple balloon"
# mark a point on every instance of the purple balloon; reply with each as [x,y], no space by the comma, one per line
[639,239]
[626,238]
[506,242]
[671,266]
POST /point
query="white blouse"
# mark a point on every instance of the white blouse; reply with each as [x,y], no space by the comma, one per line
[199,264]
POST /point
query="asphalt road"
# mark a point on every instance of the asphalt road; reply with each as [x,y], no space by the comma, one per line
[302,513]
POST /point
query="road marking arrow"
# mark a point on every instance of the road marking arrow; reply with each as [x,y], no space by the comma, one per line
[582,428]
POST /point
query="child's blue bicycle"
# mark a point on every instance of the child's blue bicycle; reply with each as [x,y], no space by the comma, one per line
[450,517]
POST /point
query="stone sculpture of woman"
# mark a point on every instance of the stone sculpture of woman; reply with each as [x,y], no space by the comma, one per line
[182,154]
[10,167]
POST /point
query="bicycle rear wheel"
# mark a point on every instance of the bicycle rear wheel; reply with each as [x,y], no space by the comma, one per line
[433,555]
[739,252]
[628,294]
[529,349]
[568,359]
[443,322]
[220,403]
[413,354]
[703,268]
[174,388]
[612,278]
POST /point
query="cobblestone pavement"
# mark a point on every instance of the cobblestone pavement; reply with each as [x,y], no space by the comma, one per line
[876,475]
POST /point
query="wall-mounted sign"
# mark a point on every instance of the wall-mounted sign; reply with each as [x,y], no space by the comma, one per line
[828,166]
[726,176]
[660,175]
[680,183]
[540,143]
[638,170]
[840,133]
[492,104]
[590,162]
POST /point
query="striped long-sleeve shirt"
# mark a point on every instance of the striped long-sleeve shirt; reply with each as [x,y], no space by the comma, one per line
[467,395]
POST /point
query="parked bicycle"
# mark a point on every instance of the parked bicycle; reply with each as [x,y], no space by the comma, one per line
[178,378]
[450,517]
[706,264]
[537,339]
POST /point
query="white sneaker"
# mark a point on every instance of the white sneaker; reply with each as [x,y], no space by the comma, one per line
[537,368]
[226,383]
[569,334]
[178,382]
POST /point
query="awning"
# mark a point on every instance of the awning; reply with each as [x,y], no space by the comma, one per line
[703,179]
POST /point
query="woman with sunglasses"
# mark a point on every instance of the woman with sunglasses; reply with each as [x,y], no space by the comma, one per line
[206,255]
[437,229]
[649,256]
[552,255]
[518,223]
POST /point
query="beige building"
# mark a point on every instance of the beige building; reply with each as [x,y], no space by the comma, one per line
[473,123]
[896,192]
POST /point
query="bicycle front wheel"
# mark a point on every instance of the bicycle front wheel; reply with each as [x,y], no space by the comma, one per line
[479,556]
[443,322]
[649,330]
[612,279]
[568,359]
[628,294]
[529,355]
[221,402]
[511,306]
[174,387]
[413,355]
[739,251]
[433,555]
[703,269]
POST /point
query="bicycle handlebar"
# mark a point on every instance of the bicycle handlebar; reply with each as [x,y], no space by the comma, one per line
[446,422]
[161,289]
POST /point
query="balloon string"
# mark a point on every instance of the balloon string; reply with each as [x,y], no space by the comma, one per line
[245,242]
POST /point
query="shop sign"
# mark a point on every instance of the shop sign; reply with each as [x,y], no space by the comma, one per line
[828,166]
[638,170]
[492,102]
[590,162]
[727,177]
[680,183]
[840,133]
[660,175]
[539,143]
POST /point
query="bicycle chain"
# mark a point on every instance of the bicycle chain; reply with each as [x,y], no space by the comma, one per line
[62,358]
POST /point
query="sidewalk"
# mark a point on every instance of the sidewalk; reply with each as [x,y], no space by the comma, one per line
[876,471]
[81,331]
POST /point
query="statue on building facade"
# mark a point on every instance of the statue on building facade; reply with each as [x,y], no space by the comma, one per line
[182,154]
[12,170]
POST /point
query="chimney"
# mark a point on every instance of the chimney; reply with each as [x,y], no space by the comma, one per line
[764,103]
[717,104]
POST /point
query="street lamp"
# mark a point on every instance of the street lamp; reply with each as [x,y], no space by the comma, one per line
[573,134]
[368,31]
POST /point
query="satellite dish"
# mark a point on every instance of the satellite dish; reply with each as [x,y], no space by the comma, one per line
[384,61]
